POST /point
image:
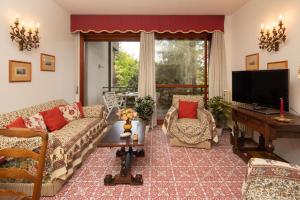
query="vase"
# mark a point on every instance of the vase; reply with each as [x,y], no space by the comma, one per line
[127,126]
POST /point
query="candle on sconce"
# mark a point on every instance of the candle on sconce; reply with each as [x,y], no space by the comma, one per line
[37,26]
[274,25]
[29,29]
[280,17]
[262,26]
[17,17]
[268,29]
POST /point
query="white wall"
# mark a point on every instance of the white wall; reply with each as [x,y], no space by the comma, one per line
[96,74]
[56,39]
[244,27]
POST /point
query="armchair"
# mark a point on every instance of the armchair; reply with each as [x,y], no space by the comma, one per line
[269,179]
[198,133]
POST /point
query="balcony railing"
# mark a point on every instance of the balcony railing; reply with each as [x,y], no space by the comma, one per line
[164,94]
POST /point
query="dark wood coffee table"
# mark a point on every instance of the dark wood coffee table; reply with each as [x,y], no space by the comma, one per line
[112,139]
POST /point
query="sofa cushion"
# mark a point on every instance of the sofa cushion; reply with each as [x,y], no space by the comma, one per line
[54,119]
[187,109]
[36,121]
[6,118]
[18,123]
[74,130]
[70,112]
[79,104]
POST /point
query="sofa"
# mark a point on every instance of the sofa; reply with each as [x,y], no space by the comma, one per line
[196,133]
[67,147]
[271,180]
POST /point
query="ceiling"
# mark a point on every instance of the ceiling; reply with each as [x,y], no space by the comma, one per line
[152,7]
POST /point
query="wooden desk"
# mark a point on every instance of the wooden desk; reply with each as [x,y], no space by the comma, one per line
[269,130]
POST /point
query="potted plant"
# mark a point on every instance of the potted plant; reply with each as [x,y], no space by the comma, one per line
[220,110]
[144,107]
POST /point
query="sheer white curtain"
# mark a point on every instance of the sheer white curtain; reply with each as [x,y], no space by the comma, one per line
[146,84]
[217,75]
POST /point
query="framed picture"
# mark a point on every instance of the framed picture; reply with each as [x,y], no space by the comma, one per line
[252,62]
[47,62]
[278,65]
[19,71]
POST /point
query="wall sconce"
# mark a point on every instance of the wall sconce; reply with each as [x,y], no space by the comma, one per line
[27,39]
[270,40]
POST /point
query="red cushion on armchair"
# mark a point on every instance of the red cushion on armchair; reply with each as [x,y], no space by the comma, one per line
[187,109]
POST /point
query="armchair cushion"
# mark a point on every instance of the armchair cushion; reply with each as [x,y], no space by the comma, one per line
[187,109]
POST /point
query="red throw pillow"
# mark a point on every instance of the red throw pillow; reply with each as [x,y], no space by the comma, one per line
[18,123]
[79,104]
[187,109]
[54,119]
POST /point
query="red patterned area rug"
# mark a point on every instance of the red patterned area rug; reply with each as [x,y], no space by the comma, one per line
[168,172]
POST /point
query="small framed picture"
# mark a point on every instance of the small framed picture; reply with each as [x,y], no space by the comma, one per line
[278,65]
[47,62]
[19,71]
[252,62]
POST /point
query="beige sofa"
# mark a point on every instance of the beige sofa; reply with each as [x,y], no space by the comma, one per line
[67,147]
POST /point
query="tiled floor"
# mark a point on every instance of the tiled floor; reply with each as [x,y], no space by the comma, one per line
[169,173]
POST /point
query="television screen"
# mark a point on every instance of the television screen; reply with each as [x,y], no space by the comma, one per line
[262,87]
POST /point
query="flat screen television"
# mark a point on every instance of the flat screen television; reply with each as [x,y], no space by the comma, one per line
[261,87]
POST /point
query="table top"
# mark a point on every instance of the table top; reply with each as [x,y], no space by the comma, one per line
[112,135]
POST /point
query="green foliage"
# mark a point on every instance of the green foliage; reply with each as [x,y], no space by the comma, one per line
[126,69]
[144,107]
[179,62]
[219,109]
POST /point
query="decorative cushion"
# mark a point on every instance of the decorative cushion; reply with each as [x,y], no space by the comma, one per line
[18,123]
[70,112]
[79,104]
[36,121]
[187,109]
[54,119]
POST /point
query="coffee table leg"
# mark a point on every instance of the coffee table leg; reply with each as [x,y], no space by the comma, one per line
[125,176]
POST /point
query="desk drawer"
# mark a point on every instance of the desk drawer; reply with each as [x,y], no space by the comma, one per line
[249,121]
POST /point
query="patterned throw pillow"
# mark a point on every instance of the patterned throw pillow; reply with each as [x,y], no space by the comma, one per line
[70,112]
[36,121]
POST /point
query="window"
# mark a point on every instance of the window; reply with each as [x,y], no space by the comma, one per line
[181,68]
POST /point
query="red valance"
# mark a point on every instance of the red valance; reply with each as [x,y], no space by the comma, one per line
[147,23]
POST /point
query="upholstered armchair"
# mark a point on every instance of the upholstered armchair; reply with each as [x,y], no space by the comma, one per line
[198,133]
[270,179]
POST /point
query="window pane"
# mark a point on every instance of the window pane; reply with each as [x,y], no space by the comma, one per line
[125,67]
[179,61]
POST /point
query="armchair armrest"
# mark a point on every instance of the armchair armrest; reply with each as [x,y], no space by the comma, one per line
[211,122]
[170,116]
[98,111]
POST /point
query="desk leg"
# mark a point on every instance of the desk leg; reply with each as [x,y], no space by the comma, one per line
[269,146]
[261,142]
[236,137]
[125,176]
